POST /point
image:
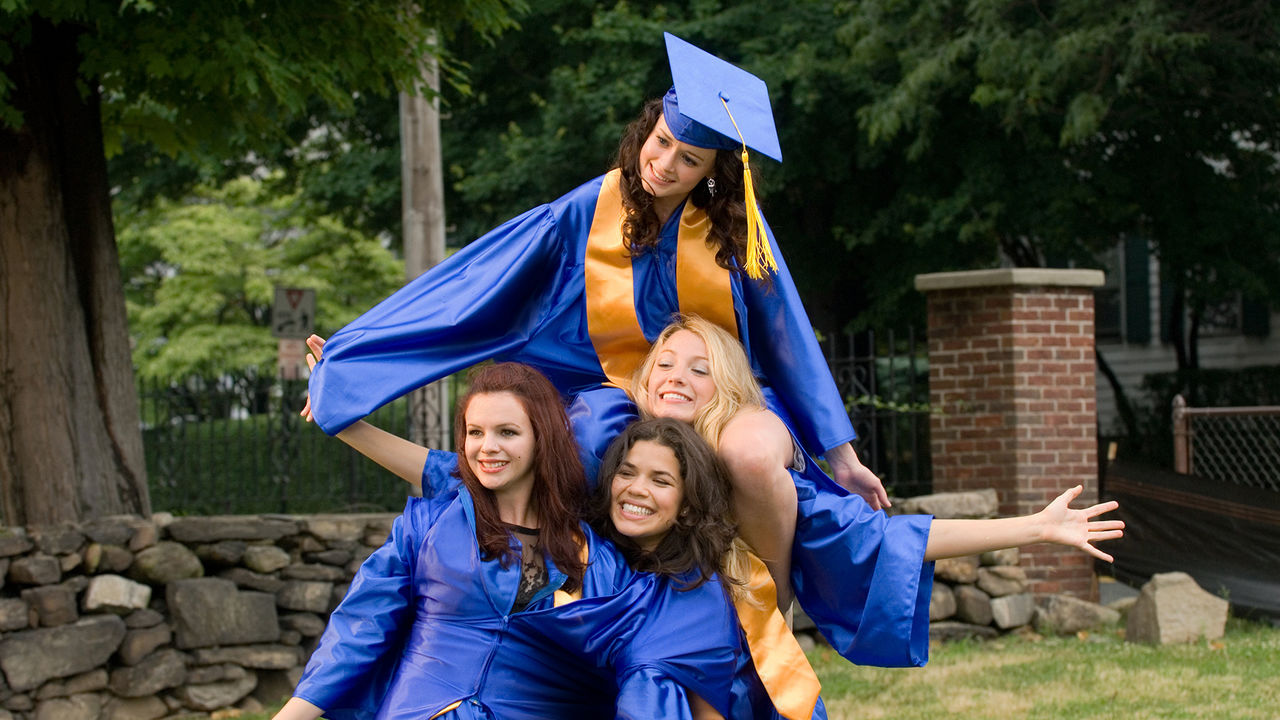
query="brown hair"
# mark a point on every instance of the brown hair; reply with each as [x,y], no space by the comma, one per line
[727,209]
[559,480]
[694,548]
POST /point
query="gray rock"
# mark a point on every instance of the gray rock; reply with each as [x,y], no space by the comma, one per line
[14,615]
[35,569]
[1172,608]
[32,657]
[92,681]
[973,504]
[1010,611]
[305,596]
[972,605]
[216,695]
[145,534]
[54,604]
[225,553]
[265,558]
[951,630]
[110,530]
[252,580]
[942,602]
[116,594]
[335,527]
[1068,615]
[960,571]
[19,703]
[106,558]
[276,685]
[258,657]
[290,637]
[14,541]
[77,707]
[67,563]
[1001,580]
[337,558]
[1007,556]
[142,708]
[164,563]
[212,611]
[204,674]
[310,624]
[141,642]
[158,671]
[146,617]
[56,539]
[315,572]
[229,527]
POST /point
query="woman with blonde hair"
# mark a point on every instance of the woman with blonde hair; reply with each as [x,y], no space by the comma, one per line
[864,577]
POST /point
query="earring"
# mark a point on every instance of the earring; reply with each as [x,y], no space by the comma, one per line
[711,186]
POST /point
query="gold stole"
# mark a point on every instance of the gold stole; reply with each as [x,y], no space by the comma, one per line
[702,286]
[783,669]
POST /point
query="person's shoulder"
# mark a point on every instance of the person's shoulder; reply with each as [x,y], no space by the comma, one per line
[751,421]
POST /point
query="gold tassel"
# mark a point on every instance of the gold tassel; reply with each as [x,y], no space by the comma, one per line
[759,253]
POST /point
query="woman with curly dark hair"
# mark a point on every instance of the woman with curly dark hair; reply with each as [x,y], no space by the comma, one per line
[472,608]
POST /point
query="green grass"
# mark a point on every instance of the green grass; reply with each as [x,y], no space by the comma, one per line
[1094,675]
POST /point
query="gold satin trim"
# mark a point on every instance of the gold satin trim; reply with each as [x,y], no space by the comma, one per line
[704,288]
[783,668]
[448,709]
[611,309]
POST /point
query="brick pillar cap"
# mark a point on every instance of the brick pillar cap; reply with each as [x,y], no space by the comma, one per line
[1000,277]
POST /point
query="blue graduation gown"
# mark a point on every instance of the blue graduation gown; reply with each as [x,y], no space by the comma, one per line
[519,293]
[426,623]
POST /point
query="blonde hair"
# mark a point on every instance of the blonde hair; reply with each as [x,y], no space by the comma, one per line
[736,390]
[736,386]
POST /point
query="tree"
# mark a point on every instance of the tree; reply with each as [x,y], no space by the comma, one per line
[200,276]
[214,77]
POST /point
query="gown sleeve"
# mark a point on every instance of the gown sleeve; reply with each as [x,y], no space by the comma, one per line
[483,301]
[359,649]
[784,345]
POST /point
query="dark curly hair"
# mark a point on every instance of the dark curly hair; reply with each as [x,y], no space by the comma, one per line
[696,545]
[559,490]
[727,209]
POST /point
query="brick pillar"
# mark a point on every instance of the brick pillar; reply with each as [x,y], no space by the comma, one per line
[1011,383]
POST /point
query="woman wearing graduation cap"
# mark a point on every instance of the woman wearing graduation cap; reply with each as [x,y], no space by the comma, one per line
[581,286]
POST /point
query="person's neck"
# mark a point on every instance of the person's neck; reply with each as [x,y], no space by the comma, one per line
[517,509]
[664,207]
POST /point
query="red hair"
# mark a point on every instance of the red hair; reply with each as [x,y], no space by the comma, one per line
[559,485]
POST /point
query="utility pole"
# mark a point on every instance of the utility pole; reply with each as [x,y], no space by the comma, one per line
[422,201]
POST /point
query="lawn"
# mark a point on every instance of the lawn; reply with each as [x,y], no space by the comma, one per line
[1092,675]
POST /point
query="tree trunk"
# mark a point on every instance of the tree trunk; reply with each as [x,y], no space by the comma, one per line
[70,444]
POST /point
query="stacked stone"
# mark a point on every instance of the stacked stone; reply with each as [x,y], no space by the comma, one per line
[139,619]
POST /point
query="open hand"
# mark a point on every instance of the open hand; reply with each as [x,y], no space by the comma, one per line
[1077,528]
[316,344]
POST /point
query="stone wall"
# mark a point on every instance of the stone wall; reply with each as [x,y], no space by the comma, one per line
[134,619]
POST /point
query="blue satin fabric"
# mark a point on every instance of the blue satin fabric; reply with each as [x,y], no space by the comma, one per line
[426,623]
[859,574]
[518,293]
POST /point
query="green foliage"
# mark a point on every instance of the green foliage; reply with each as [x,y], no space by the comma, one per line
[200,276]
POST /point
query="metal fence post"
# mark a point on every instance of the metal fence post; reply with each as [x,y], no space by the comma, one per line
[1181,448]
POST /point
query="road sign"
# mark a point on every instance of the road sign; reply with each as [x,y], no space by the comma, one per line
[293,315]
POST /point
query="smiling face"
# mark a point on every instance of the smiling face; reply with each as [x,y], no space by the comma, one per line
[680,383]
[646,493]
[499,442]
[669,169]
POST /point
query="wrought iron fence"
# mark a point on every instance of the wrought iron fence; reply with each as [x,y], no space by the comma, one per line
[884,378]
[236,444]
[1234,444]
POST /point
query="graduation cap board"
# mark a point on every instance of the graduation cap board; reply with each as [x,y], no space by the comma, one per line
[715,104]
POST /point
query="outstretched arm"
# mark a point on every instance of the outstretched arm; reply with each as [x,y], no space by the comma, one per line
[1056,523]
[399,456]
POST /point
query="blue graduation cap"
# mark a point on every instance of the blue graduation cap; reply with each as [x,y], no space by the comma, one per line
[715,104]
